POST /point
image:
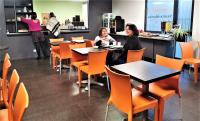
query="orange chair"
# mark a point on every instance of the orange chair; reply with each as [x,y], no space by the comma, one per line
[127,100]
[8,93]
[77,60]
[21,104]
[188,57]
[54,49]
[89,43]
[96,63]
[6,66]
[166,88]
[135,55]
[63,53]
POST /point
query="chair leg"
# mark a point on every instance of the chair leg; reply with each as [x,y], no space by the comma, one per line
[108,83]
[195,73]
[161,109]
[180,107]
[107,109]
[130,116]
[79,77]
[70,69]
[156,111]
[89,80]
[60,66]
[50,59]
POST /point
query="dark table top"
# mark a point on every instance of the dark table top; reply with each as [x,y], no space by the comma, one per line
[145,72]
[85,51]
[57,43]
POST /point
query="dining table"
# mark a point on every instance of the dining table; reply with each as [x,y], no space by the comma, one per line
[85,51]
[67,41]
[145,73]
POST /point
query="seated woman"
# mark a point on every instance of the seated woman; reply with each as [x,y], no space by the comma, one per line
[132,42]
[104,38]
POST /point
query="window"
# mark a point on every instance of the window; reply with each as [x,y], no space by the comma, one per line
[173,11]
[158,11]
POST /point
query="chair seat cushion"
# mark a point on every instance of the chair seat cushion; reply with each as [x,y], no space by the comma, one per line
[85,69]
[160,92]
[141,102]
[192,61]
[79,63]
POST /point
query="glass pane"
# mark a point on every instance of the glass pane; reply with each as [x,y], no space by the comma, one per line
[158,11]
[185,14]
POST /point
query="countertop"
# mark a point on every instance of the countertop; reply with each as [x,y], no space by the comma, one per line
[62,32]
[149,37]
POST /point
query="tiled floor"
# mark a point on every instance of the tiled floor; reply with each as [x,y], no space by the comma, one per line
[55,98]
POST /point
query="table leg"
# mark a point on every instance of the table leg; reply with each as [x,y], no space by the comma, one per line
[145,88]
[195,73]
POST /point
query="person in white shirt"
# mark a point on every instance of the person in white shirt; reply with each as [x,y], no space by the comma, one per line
[53,25]
[104,38]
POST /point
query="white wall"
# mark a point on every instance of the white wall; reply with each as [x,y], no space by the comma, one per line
[133,11]
[196,21]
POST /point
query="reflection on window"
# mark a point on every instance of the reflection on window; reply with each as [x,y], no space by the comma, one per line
[158,11]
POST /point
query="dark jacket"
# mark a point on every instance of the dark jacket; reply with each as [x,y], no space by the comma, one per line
[132,43]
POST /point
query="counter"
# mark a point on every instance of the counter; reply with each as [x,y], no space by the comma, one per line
[62,32]
[164,46]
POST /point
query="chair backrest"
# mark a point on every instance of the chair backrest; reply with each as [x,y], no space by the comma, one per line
[74,56]
[120,95]
[7,56]
[21,103]
[97,61]
[135,55]
[14,80]
[65,50]
[6,66]
[89,43]
[57,40]
[172,82]
[77,38]
[186,50]
[169,62]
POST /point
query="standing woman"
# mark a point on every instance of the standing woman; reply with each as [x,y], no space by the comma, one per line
[37,35]
[53,25]
[132,42]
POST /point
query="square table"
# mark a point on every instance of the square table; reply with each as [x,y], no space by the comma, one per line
[146,72]
[85,51]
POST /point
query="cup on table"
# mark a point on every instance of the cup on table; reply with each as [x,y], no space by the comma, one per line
[114,43]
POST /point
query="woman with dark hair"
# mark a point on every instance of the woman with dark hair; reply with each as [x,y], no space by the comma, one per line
[37,35]
[104,38]
[53,25]
[132,42]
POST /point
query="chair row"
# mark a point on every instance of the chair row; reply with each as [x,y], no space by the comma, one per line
[63,52]
[10,111]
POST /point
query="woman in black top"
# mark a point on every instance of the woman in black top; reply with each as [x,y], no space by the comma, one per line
[132,42]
